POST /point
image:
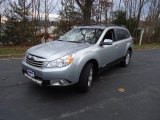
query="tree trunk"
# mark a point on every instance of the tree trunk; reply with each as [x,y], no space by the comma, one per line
[138,16]
[45,24]
[0,25]
[86,16]
[86,9]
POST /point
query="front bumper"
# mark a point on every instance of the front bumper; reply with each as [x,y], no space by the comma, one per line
[56,76]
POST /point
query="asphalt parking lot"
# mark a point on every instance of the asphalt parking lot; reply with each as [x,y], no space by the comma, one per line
[131,93]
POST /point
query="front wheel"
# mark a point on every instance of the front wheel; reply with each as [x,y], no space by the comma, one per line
[127,59]
[86,77]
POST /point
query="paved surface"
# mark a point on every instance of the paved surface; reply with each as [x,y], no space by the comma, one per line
[20,99]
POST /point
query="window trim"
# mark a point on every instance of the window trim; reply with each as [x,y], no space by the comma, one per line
[123,31]
[113,33]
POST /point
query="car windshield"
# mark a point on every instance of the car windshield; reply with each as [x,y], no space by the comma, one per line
[82,35]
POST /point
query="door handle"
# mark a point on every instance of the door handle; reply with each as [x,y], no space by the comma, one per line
[116,46]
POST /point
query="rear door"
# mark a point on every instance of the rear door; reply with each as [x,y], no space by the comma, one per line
[121,40]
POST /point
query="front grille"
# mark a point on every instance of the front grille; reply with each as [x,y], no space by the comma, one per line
[34,60]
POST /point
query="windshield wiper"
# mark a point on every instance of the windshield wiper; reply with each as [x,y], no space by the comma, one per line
[74,41]
[59,40]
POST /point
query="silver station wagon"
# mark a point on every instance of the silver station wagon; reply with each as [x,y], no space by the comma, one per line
[77,56]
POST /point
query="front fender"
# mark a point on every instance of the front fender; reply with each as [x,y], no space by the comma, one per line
[83,59]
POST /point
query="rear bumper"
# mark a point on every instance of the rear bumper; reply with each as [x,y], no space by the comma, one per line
[63,76]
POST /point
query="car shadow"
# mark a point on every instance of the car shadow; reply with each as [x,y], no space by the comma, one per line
[50,91]
[108,71]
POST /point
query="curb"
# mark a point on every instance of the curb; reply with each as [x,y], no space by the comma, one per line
[5,59]
[146,49]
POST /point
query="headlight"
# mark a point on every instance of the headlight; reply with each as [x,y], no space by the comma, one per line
[62,62]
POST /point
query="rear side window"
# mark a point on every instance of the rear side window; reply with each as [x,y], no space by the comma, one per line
[122,34]
[126,33]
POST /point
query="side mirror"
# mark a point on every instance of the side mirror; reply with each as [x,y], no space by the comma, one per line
[106,42]
[60,37]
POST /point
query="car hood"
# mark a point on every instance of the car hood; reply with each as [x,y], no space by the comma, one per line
[56,49]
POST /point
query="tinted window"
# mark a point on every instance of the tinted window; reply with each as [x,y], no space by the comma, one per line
[120,34]
[126,33]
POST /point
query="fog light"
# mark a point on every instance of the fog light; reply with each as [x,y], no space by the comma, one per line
[60,83]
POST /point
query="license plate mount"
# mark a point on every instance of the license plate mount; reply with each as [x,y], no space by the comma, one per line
[30,73]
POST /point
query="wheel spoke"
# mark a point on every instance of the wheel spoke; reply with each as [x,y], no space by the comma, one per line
[127,58]
[90,77]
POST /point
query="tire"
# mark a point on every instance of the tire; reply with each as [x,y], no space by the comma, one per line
[127,59]
[45,83]
[86,77]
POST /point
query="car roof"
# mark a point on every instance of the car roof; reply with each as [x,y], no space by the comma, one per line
[101,26]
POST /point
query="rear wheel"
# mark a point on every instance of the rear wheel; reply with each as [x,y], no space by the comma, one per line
[86,77]
[127,59]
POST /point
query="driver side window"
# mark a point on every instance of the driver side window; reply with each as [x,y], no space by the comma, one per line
[109,35]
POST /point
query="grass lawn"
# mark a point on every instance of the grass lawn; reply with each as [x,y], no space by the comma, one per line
[19,51]
[147,46]
[16,51]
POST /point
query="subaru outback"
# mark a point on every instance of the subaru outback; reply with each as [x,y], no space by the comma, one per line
[77,56]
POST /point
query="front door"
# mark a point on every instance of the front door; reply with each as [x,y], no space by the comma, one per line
[108,53]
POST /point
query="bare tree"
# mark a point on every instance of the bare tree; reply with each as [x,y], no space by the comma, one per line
[120,4]
[1,1]
[134,8]
[140,6]
[100,10]
[48,7]
[153,20]
[35,14]
[86,6]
